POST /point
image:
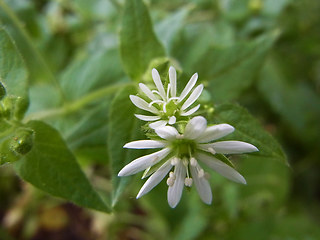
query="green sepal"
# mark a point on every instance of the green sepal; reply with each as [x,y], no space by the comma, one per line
[224,159]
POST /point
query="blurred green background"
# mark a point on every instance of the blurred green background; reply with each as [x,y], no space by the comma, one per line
[76,43]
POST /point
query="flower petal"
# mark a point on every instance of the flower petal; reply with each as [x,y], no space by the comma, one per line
[155,179]
[215,132]
[158,83]
[147,118]
[202,185]
[173,81]
[189,86]
[147,91]
[175,191]
[142,104]
[143,162]
[157,124]
[167,132]
[221,167]
[191,111]
[144,144]
[233,147]
[195,127]
[193,97]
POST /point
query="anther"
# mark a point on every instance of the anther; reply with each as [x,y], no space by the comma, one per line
[172,175]
[193,162]
[201,173]
[170,182]
[172,120]
[174,161]
[185,162]
[188,182]
[211,150]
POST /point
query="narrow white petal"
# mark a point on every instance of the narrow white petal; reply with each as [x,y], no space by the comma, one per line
[147,91]
[215,132]
[173,81]
[233,147]
[202,185]
[157,124]
[143,162]
[147,118]
[189,86]
[193,97]
[191,111]
[158,83]
[144,144]
[175,191]
[221,168]
[195,127]
[167,132]
[142,104]
[155,179]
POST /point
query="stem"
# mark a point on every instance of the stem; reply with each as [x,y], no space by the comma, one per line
[26,47]
[77,104]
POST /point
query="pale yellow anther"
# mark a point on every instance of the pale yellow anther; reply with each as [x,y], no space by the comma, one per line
[188,182]
[193,162]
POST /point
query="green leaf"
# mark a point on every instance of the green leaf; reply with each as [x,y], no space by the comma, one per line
[249,130]
[93,68]
[13,72]
[167,29]
[122,128]
[138,43]
[51,167]
[232,70]
[296,104]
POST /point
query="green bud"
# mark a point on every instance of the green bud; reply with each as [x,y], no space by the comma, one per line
[13,107]
[3,91]
[22,141]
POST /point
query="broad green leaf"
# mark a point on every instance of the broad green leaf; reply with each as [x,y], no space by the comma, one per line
[35,63]
[138,43]
[93,68]
[122,128]
[249,130]
[297,104]
[167,29]
[13,72]
[231,70]
[51,167]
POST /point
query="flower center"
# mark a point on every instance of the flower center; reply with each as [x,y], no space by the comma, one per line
[184,148]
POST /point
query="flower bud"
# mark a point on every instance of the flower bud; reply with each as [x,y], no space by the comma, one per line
[22,141]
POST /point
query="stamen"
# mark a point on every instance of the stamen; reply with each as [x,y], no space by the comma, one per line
[172,120]
[164,107]
[174,161]
[155,101]
[172,175]
[211,150]
[155,91]
[185,162]
[170,181]
[172,98]
[188,182]
[201,173]
[178,136]
[193,162]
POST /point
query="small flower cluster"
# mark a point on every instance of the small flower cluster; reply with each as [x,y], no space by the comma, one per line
[186,142]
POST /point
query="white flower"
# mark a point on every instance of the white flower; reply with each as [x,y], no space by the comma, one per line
[164,104]
[186,152]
